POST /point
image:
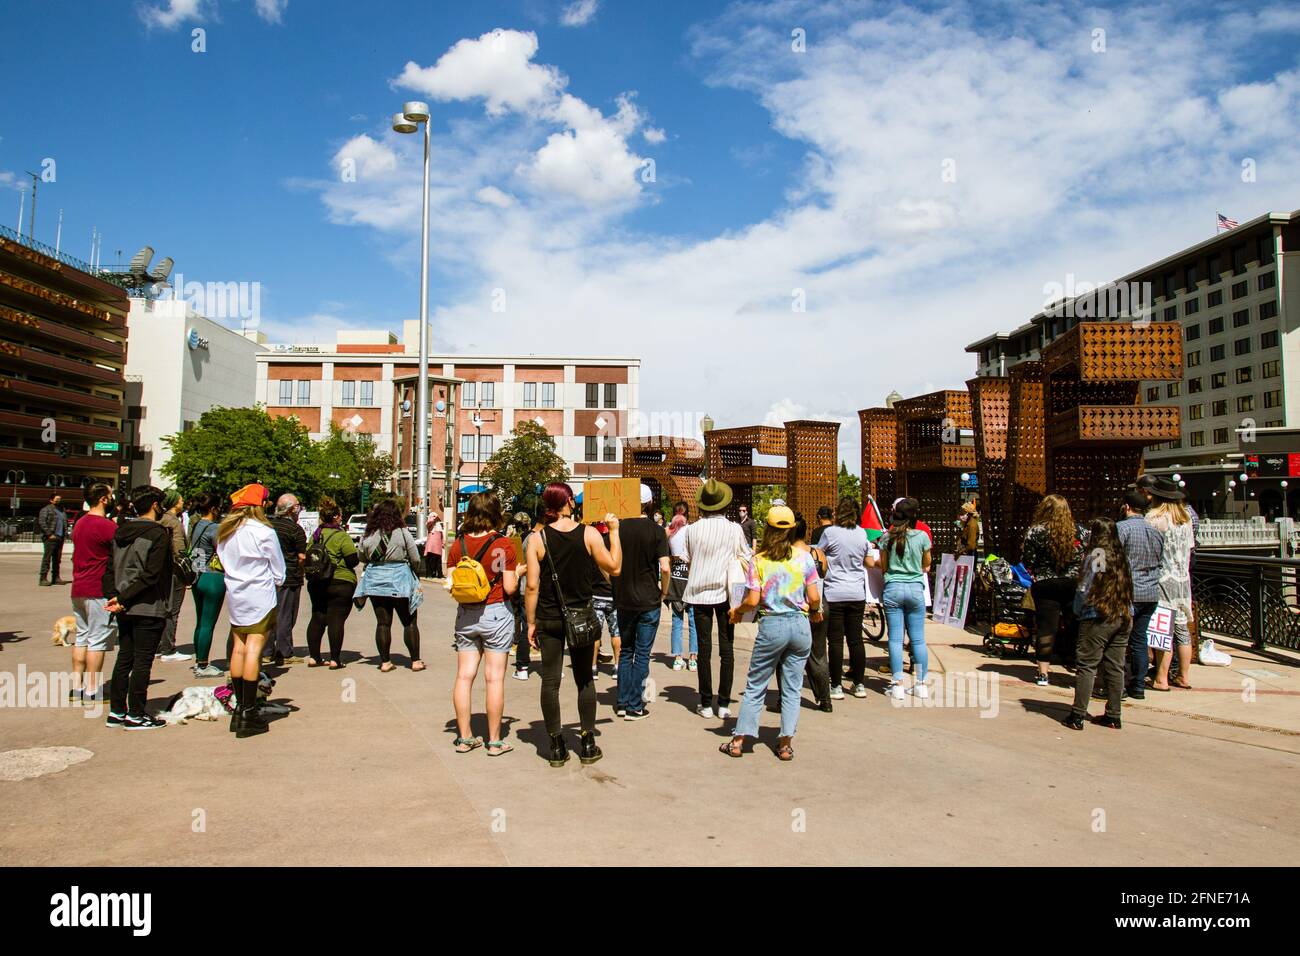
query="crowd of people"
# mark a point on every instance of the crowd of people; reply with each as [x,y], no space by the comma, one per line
[549,585]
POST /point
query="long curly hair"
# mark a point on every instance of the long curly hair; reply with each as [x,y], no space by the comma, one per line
[1112,582]
[1053,513]
[384,517]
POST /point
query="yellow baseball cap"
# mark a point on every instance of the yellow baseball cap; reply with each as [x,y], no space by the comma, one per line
[779,516]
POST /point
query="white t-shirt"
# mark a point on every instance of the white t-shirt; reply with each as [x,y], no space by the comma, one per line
[254,565]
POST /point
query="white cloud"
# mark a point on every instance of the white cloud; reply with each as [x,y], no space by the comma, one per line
[654,135]
[369,158]
[172,14]
[272,11]
[579,13]
[497,68]
[494,197]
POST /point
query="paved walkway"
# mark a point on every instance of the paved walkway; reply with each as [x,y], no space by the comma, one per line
[364,772]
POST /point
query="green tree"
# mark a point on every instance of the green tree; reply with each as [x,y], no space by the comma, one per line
[523,462]
[231,447]
[344,461]
[761,498]
[850,486]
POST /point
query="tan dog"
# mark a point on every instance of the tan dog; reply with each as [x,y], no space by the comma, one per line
[65,630]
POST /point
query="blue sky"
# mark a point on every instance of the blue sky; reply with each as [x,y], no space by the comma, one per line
[780,175]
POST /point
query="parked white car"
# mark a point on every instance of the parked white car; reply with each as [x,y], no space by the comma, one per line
[356,527]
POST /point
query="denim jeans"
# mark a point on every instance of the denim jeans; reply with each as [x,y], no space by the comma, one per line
[785,641]
[1101,647]
[639,627]
[1139,654]
[677,630]
[904,603]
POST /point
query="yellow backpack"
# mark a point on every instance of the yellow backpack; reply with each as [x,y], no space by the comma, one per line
[470,583]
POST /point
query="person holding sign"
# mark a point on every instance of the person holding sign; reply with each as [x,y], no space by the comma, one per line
[1170,517]
[1103,604]
[1144,548]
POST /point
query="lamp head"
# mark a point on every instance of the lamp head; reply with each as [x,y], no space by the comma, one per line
[402,125]
[416,111]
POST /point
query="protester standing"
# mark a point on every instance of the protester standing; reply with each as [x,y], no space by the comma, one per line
[640,587]
[825,519]
[1051,553]
[523,659]
[1104,606]
[848,555]
[391,581]
[433,546]
[567,549]
[746,525]
[53,524]
[209,583]
[92,545]
[1144,549]
[905,558]
[1170,517]
[331,593]
[781,581]
[288,596]
[713,546]
[968,530]
[138,585]
[602,602]
[680,571]
[173,505]
[253,563]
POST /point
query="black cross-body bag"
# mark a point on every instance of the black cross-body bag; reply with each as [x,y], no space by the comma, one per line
[581,625]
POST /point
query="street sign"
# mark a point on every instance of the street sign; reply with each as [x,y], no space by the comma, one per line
[365,495]
[107,446]
[124,469]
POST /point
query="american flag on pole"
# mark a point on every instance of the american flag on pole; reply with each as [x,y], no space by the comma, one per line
[1225,223]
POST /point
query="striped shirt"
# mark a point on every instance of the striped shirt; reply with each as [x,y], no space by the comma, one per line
[712,546]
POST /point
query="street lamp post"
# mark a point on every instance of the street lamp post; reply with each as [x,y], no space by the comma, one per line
[414,115]
[15,478]
[706,426]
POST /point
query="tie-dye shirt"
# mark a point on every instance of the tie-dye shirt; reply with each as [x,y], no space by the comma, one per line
[781,584]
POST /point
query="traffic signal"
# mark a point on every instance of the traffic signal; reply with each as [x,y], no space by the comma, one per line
[64,449]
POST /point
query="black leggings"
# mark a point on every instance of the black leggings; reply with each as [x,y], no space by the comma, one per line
[384,608]
[331,603]
[704,617]
[550,635]
[844,622]
[1052,597]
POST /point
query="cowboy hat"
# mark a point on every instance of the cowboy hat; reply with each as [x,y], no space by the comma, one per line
[1165,489]
[713,495]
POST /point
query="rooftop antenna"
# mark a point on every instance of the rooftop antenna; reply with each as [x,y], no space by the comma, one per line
[22,199]
[58,233]
[31,222]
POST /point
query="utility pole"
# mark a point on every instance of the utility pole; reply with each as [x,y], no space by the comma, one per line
[31,223]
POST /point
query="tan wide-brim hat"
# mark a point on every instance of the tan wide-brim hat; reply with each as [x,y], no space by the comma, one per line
[713,495]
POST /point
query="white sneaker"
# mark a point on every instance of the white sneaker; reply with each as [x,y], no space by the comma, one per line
[679,664]
[919,691]
[1211,656]
[723,713]
[837,692]
[522,673]
[177,656]
[705,712]
[859,690]
[895,691]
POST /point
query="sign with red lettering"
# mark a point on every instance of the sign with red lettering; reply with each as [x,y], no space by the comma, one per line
[618,496]
[1160,632]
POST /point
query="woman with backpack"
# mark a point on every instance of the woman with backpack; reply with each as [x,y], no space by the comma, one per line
[210,585]
[483,570]
[560,559]
[391,581]
[331,556]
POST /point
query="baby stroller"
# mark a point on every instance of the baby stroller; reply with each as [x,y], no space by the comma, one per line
[1010,624]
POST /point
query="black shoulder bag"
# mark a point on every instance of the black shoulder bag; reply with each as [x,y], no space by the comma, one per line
[581,625]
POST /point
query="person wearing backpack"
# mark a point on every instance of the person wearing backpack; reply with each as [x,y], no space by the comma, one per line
[210,585]
[391,580]
[484,574]
[331,556]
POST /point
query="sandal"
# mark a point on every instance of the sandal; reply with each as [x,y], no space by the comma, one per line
[467,743]
[733,748]
[417,665]
[334,665]
[785,752]
[1181,684]
[314,662]
[387,666]
[495,748]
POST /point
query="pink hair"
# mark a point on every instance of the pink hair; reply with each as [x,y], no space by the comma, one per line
[677,524]
[556,495]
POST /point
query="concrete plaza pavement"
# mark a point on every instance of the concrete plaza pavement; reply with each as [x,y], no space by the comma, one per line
[363,771]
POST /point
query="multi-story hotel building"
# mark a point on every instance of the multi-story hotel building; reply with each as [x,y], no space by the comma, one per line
[365,382]
[1237,297]
[62,350]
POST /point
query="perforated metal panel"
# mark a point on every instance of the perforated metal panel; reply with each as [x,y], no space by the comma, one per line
[673,464]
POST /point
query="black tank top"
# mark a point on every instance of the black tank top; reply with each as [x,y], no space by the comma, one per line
[573,566]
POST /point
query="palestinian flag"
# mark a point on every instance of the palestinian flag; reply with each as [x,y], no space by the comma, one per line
[871,520]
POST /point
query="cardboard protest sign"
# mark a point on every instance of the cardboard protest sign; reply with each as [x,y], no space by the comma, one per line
[618,496]
[1160,632]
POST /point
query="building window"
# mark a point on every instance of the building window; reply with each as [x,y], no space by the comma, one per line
[530,394]
[1276,423]
[611,395]
[1273,399]
[1171,284]
[1193,385]
[1266,281]
[286,391]
[1238,261]
[1216,353]
[1241,318]
[548,395]
[304,392]
[1173,389]
[1194,358]
[348,393]
[1245,403]
[1195,412]
[1220,407]
[367,393]
[1193,332]
[1214,268]
[467,447]
[1214,298]
[1153,394]
[1267,310]
[593,397]
[1270,369]
[611,449]
[1221,436]
[469,395]
[1191,306]
[1240,290]
[485,447]
[1243,376]
[1196,439]
[1218,380]
[487,394]
[1216,325]
[1171,313]
[1264,250]
[1241,347]
[1268,340]
[589,448]
[1189,277]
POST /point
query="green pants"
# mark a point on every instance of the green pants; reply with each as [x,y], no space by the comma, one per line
[209,595]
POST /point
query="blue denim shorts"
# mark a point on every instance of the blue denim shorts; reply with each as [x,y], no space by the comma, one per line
[485,627]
